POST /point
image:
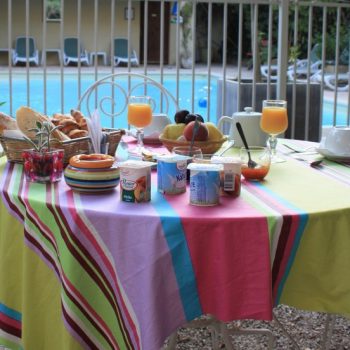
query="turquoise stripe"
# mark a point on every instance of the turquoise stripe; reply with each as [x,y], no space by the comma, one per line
[303,219]
[15,315]
[175,236]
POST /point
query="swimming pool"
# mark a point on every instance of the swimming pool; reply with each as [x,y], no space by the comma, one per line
[70,98]
[341,113]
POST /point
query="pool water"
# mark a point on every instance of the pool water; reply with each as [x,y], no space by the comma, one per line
[341,113]
[71,97]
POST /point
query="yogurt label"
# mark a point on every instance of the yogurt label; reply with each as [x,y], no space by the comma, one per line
[172,174]
[204,184]
[135,181]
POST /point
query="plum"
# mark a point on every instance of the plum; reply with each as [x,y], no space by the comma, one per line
[192,117]
[180,116]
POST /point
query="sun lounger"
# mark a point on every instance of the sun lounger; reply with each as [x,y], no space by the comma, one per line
[20,53]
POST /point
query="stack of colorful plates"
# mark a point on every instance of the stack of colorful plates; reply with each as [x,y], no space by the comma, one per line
[91,180]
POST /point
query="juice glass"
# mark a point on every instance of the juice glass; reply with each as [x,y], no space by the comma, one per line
[139,116]
[274,121]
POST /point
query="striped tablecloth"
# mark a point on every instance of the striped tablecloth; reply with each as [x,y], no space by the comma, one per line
[123,275]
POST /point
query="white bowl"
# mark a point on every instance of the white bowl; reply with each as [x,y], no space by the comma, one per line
[337,141]
[158,123]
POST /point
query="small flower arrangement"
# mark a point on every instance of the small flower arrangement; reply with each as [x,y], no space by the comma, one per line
[42,163]
[43,134]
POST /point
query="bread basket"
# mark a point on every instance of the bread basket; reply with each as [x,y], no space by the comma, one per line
[13,147]
[207,147]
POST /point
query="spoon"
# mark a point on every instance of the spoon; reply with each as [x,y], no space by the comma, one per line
[229,145]
[251,163]
[194,133]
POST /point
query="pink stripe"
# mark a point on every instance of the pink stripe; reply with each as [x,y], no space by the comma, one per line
[10,321]
[84,228]
[234,280]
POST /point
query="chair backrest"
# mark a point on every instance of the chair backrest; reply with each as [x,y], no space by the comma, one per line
[71,47]
[316,53]
[21,46]
[110,95]
[121,47]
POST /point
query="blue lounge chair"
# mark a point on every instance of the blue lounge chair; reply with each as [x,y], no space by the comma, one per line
[121,52]
[20,53]
[72,54]
[300,71]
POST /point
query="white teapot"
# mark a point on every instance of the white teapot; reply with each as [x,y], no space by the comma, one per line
[250,122]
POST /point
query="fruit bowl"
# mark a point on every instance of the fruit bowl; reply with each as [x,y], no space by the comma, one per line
[206,146]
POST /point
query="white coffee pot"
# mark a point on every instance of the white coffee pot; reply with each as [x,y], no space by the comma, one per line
[250,122]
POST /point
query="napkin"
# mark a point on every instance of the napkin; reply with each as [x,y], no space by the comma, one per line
[95,130]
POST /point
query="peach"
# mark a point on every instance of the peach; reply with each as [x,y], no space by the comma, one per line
[201,134]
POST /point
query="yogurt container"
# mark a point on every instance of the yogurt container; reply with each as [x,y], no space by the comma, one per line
[204,183]
[171,171]
[230,177]
[135,181]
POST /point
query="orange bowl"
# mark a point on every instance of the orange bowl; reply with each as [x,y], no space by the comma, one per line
[206,146]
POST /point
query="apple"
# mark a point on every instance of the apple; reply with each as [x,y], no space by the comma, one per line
[201,134]
[180,116]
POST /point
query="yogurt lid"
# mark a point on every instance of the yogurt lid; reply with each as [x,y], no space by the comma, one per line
[205,167]
[135,164]
[229,163]
[172,158]
[220,160]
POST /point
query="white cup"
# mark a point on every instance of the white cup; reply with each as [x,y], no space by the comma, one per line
[159,122]
[337,141]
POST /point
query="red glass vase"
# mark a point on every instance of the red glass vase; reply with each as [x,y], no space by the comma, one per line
[46,166]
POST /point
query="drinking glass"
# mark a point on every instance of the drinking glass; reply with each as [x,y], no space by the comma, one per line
[190,152]
[274,121]
[139,116]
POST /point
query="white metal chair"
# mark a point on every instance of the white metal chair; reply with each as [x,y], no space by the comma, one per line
[110,95]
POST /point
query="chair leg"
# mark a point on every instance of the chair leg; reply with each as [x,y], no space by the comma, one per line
[296,345]
[255,331]
[172,341]
[327,334]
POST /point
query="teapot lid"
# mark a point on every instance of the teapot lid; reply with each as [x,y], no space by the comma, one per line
[248,112]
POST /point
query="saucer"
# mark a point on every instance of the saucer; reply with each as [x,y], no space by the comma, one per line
[332,156]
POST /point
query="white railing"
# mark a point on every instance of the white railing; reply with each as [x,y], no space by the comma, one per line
[96,24]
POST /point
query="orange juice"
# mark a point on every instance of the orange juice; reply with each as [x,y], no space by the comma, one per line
[139,114]
[274,120]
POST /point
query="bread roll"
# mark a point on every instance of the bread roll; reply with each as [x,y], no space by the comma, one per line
[7,123]
[27,119]
[74,134]
[77,115]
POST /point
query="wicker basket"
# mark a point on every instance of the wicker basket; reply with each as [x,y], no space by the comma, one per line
[207,147]
[13,147]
